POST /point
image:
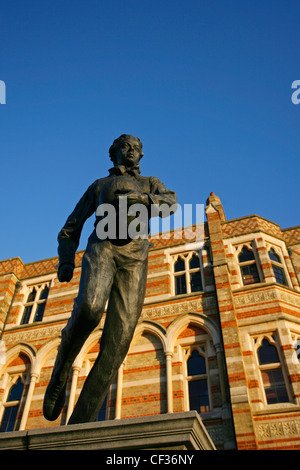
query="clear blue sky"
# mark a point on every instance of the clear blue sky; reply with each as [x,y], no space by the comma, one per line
[205,84]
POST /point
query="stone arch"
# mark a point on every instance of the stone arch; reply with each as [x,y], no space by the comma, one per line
[182,340]
[18,364]
[247,245]
[198,319]
[144,373]
[91,341]
[153,328]
[15,351]
[44,352]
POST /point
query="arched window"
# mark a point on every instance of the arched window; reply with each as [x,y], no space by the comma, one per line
[28,307]
[277,267]
[271,373]
[180,277]
[39,313]
[197,382]
[248,267]
[187,274]
[11,407]
[195,274]
[35,304]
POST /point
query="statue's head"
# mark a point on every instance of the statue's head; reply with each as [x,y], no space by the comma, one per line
[126,150]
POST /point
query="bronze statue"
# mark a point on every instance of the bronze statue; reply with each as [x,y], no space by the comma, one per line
[114,269]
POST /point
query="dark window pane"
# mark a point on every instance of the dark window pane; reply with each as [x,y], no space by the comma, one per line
[180,284]
[16,391]
[267,353]
[246,255]
[196,283]
[9,419]
[39,312]
[194,262]
[179,265]
[102,413]
[196,364]
[31,296]
[44,293]
[26,315]
[274,385]
[198,395]
[250,274]
[273,256]
[279,275]
[10,414]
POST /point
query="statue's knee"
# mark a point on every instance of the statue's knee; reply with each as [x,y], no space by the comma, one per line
[91,314]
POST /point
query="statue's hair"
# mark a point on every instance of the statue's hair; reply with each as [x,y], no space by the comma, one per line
[116,143]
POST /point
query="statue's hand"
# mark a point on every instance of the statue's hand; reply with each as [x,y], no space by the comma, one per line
[65,272]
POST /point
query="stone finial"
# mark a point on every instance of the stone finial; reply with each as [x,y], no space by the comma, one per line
[215,202]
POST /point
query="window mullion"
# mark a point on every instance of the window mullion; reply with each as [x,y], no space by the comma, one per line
[188,282]
[201,267]
[32,313]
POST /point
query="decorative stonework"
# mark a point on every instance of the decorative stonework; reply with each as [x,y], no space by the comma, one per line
[34,334]
[266,296]
[179,308]
[180,236]
[291,235]
[250,225]
[278,429]
[254,298]
[25,271]
[12,265]
[289,298]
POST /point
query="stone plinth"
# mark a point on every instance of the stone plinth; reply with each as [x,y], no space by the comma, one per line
[174,431]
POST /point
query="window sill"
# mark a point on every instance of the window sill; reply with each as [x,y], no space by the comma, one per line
[260,285]
[190,294]
[276,408]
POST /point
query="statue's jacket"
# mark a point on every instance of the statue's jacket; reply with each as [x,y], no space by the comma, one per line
[69,236]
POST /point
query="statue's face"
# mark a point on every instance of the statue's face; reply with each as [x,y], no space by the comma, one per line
[128,153]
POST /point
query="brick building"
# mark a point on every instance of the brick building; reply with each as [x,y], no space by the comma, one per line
[218,334]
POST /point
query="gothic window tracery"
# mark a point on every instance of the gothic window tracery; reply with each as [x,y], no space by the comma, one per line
[35,303]
[12,405]
[248,266]
[277,266]
[271,372]
[197,382]
[187,273]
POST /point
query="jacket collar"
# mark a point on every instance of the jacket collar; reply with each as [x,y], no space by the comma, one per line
[123,170]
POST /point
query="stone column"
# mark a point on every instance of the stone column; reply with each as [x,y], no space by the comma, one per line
[169,355]
[76,370]
[119,392]
[244,428]
[223,381]
[33,378]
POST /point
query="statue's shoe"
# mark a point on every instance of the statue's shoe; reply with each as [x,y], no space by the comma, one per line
[54,400]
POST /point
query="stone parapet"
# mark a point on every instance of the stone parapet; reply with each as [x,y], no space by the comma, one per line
[174,431]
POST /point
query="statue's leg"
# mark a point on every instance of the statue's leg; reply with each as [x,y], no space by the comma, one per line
[124,309]
[98,269]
